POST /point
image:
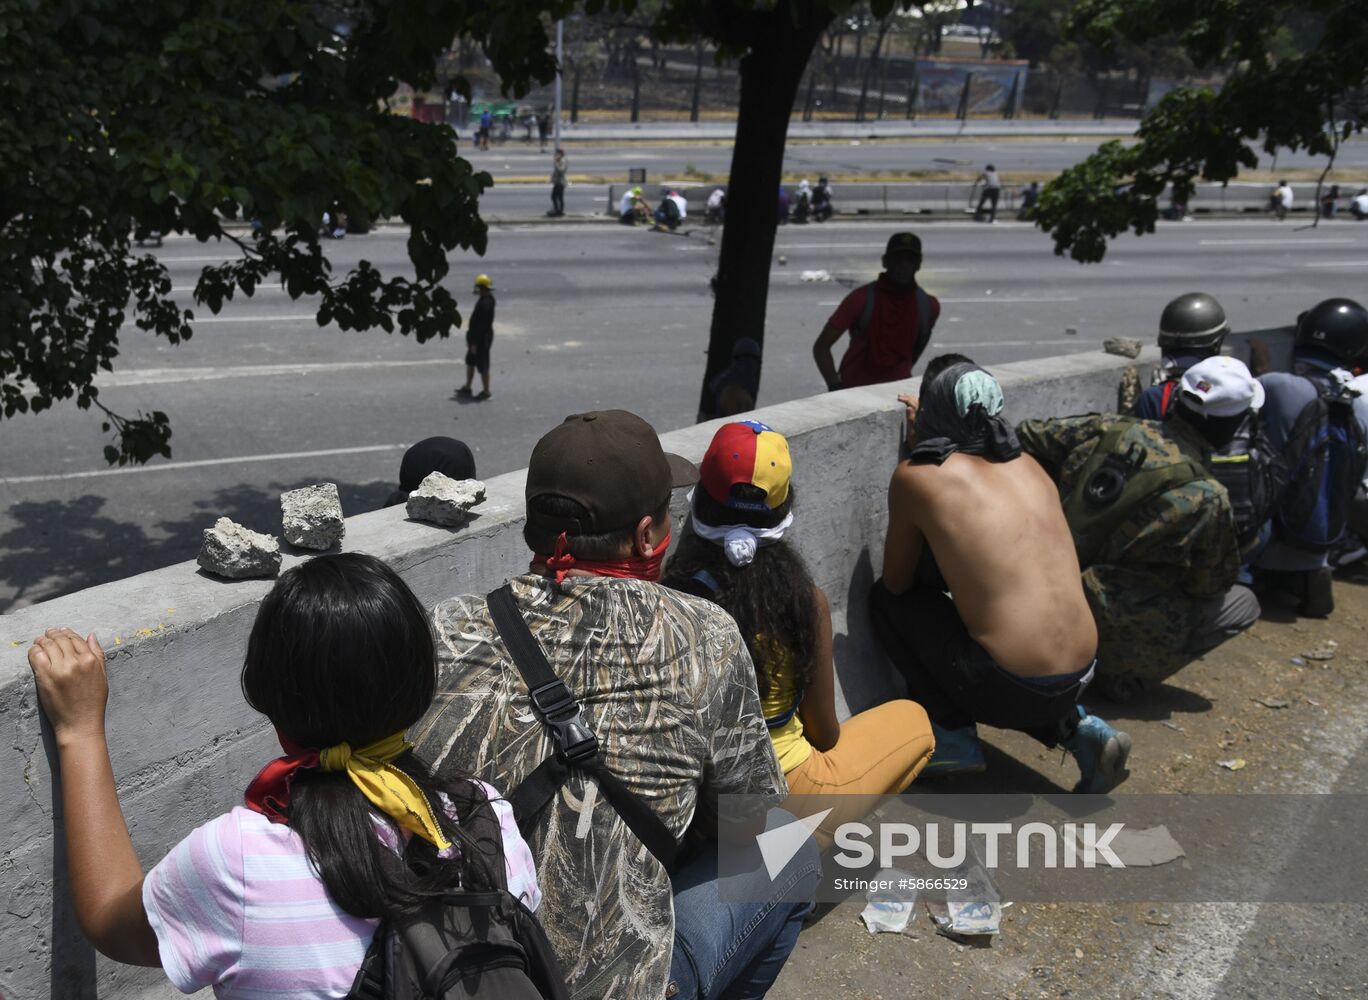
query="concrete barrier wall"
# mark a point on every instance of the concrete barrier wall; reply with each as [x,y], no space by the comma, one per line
[184,744]
[929,197]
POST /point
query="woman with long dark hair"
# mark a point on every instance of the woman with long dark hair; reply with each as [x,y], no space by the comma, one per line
[282,896]
[737,556]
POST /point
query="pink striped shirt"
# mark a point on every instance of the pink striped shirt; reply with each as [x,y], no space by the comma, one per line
[237,906]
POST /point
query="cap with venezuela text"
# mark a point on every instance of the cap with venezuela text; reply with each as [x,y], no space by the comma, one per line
[748,452]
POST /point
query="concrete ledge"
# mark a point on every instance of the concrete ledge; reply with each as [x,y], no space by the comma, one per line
[184,743]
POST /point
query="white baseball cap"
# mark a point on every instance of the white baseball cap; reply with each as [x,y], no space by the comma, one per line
[1221,387]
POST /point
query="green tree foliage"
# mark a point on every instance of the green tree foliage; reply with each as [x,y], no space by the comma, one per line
[186,115]
[1295,80]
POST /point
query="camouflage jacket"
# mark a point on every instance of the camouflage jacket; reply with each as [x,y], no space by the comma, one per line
[1179,549]
[668,687]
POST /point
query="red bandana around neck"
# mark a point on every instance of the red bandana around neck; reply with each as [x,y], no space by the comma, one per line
[269,792]
[634,567]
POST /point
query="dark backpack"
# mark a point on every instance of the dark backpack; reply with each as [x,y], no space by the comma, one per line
[463,944]
[1123,473]
[1244,468]
[1326,455]
[923,319]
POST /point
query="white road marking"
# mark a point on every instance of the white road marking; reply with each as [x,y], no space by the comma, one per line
[296,317]
[159,376]
[990,299]
[1300,241]
[1339,263]
[198,464]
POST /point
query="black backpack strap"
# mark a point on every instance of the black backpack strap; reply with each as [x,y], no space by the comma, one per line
[866,312]
[923,323]
[576,746]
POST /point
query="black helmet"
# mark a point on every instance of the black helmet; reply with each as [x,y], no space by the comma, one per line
[1193,323]
[1336,326]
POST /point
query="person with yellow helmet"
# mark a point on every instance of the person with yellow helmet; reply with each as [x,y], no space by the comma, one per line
[479,337]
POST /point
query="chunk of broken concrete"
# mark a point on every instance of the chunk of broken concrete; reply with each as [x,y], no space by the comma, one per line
[236,552]
[442,500]
[1126,347]
[312,516]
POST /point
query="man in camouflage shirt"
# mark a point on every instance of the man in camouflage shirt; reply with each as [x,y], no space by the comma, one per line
[665,682]
[1160,574]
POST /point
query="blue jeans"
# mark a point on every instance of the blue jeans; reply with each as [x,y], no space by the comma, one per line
[730,950]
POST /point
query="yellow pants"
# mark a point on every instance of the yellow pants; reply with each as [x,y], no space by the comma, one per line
[879,752]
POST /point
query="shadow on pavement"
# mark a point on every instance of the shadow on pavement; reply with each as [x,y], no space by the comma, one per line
[59,547]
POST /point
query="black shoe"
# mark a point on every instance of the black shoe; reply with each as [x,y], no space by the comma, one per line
[1318,598]
[463,391]
[1118,690]
[483,395]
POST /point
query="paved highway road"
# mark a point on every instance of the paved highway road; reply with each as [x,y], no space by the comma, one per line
[589,316]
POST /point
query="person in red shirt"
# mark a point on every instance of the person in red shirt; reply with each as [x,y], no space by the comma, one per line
[888,334]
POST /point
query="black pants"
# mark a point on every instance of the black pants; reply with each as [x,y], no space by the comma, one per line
[558,198]
[953,677]
[989,195]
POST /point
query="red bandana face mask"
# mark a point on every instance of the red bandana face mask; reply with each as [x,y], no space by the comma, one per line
[635,567]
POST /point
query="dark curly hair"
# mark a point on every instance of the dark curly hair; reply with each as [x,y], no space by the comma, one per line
[773,598]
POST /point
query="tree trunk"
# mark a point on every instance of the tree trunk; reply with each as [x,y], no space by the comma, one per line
[698,85]
[574,96]
[770,74]
[870,68]
[636,89]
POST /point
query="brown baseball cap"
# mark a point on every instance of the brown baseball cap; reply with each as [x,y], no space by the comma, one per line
[609,462]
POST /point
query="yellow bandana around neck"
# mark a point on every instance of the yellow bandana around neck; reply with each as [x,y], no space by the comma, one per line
[389,789]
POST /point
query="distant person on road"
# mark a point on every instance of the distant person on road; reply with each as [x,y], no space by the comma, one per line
[1015,646]
[1280,201]
[1358,205]
[992,190]
[633,208]
[822,207]
[737,557]
[448,456]
[802,203]
[479,338]
[559,172]
[1330,202]
[543,130]
[783,206]
[890,322]
[486,123]
[715,212]
[1153,528]
[673,210]
[1030,194]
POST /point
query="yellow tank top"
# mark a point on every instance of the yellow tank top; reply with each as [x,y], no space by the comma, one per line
[790,746]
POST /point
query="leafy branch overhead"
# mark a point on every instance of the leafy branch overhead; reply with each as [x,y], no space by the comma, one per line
[1295,77]
[187,115]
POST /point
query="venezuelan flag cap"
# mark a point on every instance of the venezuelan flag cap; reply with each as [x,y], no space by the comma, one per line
[748,453]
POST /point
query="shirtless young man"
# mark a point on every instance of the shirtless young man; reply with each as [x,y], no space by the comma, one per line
[1015,646]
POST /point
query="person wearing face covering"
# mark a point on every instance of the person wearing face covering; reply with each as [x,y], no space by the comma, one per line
[737,557]
[980,605]
[448,456]
[1155,530]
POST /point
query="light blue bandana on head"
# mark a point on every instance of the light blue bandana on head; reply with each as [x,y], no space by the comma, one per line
[961,410]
